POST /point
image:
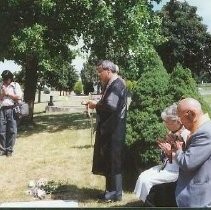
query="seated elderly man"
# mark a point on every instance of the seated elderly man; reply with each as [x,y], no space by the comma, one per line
[168,171]
[194,182]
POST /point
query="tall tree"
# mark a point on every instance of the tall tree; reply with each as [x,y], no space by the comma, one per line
[188,43]
[89,78]
[36,32]
[121,31]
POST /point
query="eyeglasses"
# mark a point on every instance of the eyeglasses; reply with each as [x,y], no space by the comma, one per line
[184,114]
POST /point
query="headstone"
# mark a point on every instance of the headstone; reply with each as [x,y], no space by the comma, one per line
[50,103]
[42,204]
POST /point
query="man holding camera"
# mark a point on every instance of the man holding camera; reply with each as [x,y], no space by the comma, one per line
[10,94]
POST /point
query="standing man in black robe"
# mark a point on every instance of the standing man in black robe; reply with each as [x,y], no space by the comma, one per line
[110,130]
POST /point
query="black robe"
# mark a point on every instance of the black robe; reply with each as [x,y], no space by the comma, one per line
[110,130]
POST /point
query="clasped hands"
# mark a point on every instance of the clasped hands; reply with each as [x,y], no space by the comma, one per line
[170,144]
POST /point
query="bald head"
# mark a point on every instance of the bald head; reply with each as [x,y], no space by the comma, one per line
[189,110]
[188,104]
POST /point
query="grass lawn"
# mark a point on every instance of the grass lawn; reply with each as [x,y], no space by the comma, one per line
[58,148]
[208,99]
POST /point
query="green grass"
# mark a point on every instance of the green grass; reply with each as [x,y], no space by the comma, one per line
[207,98]
[56,147]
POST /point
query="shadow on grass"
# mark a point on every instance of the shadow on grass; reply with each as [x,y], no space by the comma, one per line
[82,147]
[55,123]
[136,203]
[46,101]
[72,192]
[129,180]
[130,172]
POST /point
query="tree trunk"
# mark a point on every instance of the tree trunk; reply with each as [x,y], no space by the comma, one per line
[30,83]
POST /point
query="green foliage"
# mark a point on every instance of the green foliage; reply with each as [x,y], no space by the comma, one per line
[88,87]
[182,84]
[19,77]
[53,186]
[130,85]
[61,75]
[89,78]
[78,88]
[144,123]
[188,43]
[38,32]
[29,40]
[121,31]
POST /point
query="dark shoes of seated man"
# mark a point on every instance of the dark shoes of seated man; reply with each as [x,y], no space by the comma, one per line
[110,196]
[7,153]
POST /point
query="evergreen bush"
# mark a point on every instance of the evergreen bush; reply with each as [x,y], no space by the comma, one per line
[144,125]
[78,88]
[183,85]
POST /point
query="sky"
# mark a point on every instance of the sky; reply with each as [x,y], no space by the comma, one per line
[203,10]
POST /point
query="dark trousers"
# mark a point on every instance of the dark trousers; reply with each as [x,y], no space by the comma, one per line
[114,183]
[162,195]
[8,129]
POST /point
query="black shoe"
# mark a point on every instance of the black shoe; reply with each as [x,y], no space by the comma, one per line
[113,198]
[109,200]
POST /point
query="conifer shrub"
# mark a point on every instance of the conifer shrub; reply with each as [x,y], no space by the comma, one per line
[144,125]
[183,85]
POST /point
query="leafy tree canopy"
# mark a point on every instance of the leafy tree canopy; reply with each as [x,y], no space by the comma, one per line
[123,34]
[188,43]
[37,32]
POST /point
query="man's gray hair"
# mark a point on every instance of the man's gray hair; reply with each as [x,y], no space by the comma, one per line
[106,64]
[170,113]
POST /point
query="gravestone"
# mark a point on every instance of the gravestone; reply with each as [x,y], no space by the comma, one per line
[41,204]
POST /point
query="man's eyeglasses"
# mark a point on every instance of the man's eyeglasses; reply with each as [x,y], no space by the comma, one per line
[184,114]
